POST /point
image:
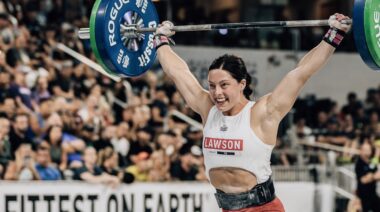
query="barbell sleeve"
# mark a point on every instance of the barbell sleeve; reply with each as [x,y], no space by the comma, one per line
[84,33]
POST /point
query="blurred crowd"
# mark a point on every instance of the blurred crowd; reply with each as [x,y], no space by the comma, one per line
[61,120]
[323,121]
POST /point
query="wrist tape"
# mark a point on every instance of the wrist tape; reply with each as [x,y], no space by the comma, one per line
[334,36]
[161,40]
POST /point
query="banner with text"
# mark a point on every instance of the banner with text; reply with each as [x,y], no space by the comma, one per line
[74,196]
[82,197]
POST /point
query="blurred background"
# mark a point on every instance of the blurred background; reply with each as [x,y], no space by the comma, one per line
[128,146]
[219,11]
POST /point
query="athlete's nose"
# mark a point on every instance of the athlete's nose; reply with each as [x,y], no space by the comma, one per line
[218,90]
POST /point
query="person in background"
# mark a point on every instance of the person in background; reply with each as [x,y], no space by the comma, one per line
[160,167]
[92,173]
[19,131]
[109,163]
[23,167]
[44,167]
[367,176]
[5,146]
[58,154]
[186,167]
[141,167]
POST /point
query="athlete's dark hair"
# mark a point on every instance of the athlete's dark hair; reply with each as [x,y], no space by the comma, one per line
[236,67]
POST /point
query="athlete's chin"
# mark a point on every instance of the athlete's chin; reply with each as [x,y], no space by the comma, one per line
[222,107]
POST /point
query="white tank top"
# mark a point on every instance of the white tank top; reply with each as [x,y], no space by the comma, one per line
[229,141]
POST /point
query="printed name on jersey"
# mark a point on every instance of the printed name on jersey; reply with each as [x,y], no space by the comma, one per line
[223,144]
[225,153]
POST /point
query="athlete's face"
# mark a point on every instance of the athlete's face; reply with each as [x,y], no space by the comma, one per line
[225,91]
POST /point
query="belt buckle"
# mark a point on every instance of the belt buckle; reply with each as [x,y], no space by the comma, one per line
[251,195]
[262,194]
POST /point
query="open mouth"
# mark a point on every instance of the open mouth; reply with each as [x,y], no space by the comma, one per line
[220,101]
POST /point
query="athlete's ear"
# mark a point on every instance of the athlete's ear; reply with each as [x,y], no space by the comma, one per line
[243,83]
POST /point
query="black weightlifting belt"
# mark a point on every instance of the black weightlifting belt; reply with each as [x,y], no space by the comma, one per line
[258,195]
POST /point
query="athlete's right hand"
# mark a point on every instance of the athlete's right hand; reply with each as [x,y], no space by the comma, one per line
[338,21]
[165,29]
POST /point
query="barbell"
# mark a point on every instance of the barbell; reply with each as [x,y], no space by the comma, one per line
[121,33]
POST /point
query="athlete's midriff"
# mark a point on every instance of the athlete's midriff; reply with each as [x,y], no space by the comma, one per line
[232,180]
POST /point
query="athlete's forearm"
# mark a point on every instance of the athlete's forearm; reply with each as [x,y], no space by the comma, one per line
[313,61]
[171,63]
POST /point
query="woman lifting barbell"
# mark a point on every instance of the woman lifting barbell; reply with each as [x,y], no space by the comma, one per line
[239,134]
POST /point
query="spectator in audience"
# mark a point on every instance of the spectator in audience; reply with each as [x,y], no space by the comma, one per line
[5,79]
[92,118]
[283,157]
[109,162]
[41,89]
[8,107]
[177,102]
[120,140]
[159,109]
[333,134]
[143,143]
[46,116]
[63,84]
[371,99]
[167,142]
[373,121]
[141,167]
[361,120]
[193,135]
[19,131]
[107,134]
[160,170]
[367,176]
[300,133]
[58,154]
[92,173]
[44,167]
[127,115]
[69,38]
[23,167]
[73,146]
[320,127]
[352,106]
[5,146]
[141,117]
[186,167]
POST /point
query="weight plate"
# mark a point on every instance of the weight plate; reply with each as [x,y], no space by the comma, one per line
[121,55]
[372,28]
[94,45]
[359,35]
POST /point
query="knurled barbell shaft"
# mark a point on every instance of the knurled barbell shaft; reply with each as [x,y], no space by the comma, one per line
[84,33]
